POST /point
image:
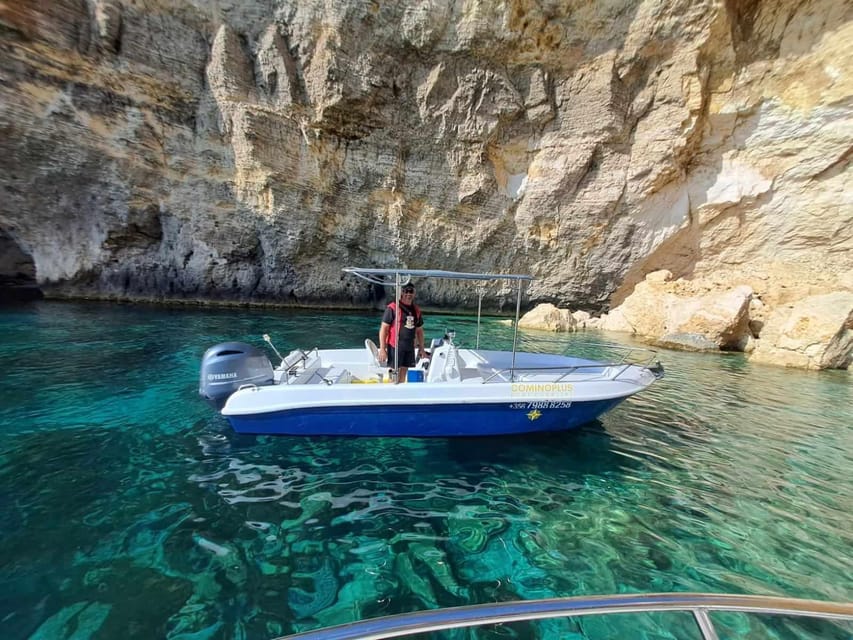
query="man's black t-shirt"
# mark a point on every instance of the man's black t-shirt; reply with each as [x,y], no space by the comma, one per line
[411,320]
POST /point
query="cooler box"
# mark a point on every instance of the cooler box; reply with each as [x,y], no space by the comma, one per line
[414,375]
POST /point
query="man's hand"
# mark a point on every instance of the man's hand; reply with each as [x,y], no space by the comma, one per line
[382,355]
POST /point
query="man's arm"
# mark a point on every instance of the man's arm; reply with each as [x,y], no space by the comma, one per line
[384,329]
[419,338]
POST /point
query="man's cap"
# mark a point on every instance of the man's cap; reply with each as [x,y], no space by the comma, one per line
[409,288]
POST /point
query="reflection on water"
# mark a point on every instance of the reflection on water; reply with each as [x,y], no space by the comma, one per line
[130,510]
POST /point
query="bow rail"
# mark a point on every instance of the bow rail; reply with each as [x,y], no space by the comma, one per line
[699,604]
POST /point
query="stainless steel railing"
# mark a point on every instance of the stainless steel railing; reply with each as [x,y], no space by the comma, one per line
[610,371]
[699,604]
[622,353]
[629,356]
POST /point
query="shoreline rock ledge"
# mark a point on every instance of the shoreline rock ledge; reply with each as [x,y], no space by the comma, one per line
[814,332]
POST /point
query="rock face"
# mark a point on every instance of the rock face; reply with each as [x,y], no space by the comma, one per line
[178,149]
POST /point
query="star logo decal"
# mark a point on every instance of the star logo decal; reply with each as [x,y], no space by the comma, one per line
[535,414]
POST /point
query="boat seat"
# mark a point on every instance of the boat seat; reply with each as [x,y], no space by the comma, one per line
[292,359]
[372,353]
[374,367]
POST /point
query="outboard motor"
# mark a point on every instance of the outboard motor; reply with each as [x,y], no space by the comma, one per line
[230,365]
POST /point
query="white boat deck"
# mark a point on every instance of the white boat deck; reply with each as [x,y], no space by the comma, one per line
[344,366]
[342,377]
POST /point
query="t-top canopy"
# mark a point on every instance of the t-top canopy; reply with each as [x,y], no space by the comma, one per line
[381,276]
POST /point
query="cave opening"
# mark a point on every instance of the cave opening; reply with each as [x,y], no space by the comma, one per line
[17,271]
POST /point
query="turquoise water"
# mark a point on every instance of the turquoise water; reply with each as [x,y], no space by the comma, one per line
[129,509]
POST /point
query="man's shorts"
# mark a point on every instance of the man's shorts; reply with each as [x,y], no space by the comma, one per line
[407,357]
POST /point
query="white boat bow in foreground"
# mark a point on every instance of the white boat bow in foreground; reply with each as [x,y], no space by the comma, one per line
[700,605]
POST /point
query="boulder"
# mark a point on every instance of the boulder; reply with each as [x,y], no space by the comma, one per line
[813,333]
[661,276]
[582,319]
[720,317]
[616,321]
[592,323]
[684,314]
[547,317]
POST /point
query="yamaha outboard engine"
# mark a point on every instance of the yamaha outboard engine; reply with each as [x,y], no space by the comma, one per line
[230,365]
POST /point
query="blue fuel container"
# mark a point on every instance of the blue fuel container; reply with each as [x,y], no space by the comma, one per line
[414,375]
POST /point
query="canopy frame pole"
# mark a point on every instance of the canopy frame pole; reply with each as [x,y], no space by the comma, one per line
[480,292]
[515,332]
[396,328]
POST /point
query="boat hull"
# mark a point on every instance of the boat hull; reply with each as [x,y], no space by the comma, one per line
[433,420]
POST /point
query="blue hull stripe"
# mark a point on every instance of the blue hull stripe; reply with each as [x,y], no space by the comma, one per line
[427,420]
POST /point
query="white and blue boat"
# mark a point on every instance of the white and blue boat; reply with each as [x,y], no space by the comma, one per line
[455,392]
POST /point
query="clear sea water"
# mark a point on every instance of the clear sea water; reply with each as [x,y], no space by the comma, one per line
[130,510]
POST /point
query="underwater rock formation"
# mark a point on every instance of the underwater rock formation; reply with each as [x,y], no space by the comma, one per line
[246,151]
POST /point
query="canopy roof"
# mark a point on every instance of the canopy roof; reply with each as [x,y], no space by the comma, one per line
[388,276]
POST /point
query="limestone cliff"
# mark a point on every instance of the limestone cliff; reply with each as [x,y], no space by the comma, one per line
[247,149]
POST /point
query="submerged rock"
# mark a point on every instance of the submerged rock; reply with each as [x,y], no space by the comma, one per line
[323,588]
[79,621]
[687,342]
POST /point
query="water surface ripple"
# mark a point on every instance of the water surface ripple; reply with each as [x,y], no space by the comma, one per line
[129,509]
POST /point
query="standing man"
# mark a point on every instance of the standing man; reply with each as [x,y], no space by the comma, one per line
[402,327]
